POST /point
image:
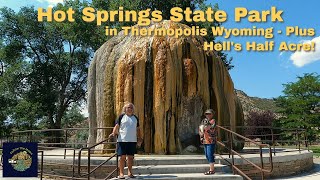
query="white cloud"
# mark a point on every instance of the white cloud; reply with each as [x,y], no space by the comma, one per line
[85,112]
[301,58]
[51,2]
[84,109]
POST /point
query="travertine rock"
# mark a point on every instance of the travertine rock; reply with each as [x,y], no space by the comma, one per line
[171,81]
[190,149]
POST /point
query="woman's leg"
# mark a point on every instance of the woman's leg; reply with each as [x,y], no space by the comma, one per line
[211,166]
[130,163]
[211,149]
[121,165]
[121,153]
[206,151]
[131,150]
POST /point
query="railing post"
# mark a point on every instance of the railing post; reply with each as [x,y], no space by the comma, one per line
[306,139]
[1,136]
[79,162]
[32,137]
[299,141]
[296,138]
[74,159]
[41,165]
[89,163]
[228,141]
[273,144]
[235,169]
[270,158]
[65,144]
[231,149]
[117,159]
[261,160]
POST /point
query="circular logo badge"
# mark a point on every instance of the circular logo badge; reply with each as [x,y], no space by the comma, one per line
[21,161]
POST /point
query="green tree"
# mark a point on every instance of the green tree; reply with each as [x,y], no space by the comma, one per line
[72,117]
[45,63]
[49,61]
[11,84]
[4,126]
[258,119]
[300,104]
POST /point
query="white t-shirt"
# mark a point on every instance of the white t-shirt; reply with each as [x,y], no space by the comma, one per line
[128,128]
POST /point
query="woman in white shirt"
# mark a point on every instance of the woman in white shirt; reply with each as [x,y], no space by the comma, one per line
[127,129]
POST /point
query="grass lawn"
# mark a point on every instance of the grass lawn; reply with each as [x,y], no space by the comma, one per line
[316,150]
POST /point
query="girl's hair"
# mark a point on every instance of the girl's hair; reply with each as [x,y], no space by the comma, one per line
[127,105]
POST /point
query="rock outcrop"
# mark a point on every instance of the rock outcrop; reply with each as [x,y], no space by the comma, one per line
[171,82]
[256,104]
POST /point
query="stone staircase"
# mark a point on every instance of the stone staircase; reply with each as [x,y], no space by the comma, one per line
[179,167]
[151,167]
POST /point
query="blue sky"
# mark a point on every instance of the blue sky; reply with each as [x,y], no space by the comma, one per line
[258,74]
[263,73]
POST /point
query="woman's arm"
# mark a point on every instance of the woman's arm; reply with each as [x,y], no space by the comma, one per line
[215,135]
[139,138]
[115,130]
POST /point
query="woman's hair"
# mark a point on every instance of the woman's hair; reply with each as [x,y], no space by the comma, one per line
[127,105]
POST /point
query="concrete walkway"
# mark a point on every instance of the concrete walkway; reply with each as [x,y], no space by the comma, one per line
[314,174]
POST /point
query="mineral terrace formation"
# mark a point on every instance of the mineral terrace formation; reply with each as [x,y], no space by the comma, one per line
[171,82]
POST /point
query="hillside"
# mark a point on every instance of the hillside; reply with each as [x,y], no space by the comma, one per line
[255,103]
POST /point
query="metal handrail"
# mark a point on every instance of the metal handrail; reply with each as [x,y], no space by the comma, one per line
[101,164]
[299,132]
[41,165]
[45,130]
[1,158]
[302,129]
[235,167]
[31,134]
[296,131]
[232,153]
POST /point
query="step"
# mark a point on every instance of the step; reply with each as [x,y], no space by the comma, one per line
[172,160]
[187,176]
[177,169]
[143,160]
[169,161]
[66,170]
